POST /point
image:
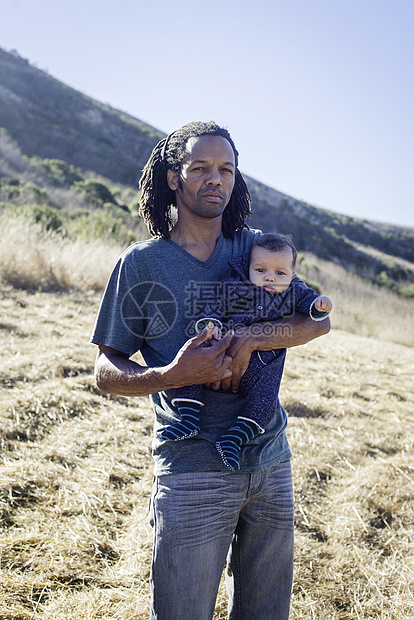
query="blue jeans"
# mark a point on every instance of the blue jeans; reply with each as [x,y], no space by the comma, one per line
[202,518]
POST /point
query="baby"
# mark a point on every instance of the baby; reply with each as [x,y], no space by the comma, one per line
[265,289]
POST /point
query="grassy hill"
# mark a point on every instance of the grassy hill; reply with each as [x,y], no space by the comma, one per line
[76,474]
[76,466]
[72,163]
[49,119]
[381,253]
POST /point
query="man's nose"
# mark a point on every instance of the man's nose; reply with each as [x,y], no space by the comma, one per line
[214,178]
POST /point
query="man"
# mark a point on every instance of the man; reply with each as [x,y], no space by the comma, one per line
[201,513]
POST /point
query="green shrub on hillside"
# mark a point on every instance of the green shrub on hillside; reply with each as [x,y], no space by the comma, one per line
[9,189]
[98,193]
[57,172]
[14,190]
[408,292]
[101,224]
[12,182]
[134,204]
[383,279]
[114,208]
[48,217]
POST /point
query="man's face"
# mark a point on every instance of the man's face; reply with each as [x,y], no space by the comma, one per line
[205,183]
[272,271]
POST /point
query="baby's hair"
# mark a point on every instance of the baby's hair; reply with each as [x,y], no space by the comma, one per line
[275,242]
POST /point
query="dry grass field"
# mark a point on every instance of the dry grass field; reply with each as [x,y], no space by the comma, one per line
[76,467]
[76,472]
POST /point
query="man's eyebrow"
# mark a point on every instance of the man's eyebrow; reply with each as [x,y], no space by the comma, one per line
[205,161]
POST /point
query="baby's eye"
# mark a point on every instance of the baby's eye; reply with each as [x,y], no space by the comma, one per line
[259,270]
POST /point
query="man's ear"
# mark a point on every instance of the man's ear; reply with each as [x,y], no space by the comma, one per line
[172,179]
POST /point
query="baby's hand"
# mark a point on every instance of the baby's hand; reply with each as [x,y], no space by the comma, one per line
[216,333]
[323,303]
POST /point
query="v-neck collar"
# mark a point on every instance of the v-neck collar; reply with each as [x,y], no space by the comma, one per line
[205,264]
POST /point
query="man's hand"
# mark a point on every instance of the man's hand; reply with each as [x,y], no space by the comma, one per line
[240,352]
[195,363]
[278,334]
[198,364]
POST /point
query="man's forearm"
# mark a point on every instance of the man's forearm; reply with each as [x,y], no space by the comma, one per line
[116,373]
[284,333]
[120,375]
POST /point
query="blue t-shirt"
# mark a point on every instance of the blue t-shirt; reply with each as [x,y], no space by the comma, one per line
[154,296]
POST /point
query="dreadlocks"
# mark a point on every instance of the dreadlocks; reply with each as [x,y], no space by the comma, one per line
[157,199]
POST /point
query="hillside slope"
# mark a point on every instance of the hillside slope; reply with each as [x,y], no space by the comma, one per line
[384,253]
[48,119]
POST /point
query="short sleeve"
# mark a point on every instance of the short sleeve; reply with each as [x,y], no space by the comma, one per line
[120,323]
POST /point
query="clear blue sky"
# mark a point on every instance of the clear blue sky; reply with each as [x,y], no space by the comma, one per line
[317,94]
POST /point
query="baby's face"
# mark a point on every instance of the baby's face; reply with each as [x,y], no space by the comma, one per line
[272,271]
